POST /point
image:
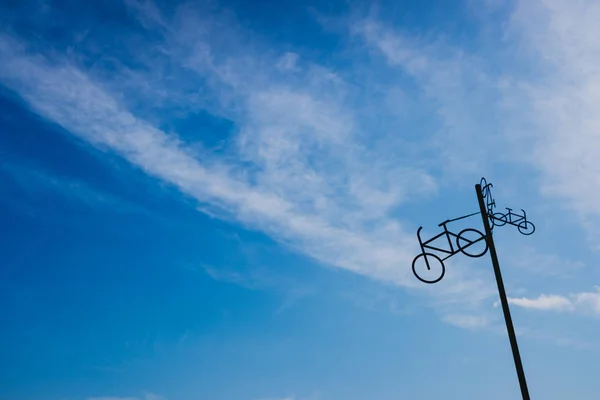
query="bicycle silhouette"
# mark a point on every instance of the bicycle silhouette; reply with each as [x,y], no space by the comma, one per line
[464,240]
[524,226]
[486,191]
[461,243]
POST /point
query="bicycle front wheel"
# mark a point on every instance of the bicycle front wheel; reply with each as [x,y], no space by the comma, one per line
[498,219]
[473,240]
[427,271]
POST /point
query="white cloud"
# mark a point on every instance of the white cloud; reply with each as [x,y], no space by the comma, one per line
[308,163]
[558,39]
[454,84]
[313,183]
[533,103]
[288,61]
[589,301]
[584,302]
[544,302]
[65,95]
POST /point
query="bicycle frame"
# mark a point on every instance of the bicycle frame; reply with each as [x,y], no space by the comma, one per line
[447,233]
[486,191]
[521,217]
[449,253]
[516,222]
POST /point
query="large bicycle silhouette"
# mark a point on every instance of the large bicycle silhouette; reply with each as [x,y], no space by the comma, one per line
[463,240]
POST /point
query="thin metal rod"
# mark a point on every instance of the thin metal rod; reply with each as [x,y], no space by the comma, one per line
[456,219]
[505,309]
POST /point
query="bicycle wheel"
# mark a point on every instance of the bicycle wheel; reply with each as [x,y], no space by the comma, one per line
[485,188]
[498,219]
[432,273]
[483,183]
[526,227]
[469,237]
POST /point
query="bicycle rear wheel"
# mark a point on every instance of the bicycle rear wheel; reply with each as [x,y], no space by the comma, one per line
[430,272]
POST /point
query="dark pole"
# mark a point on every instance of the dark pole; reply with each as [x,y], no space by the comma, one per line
[509,325]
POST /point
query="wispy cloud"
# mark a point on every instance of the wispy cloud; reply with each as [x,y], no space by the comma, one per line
[533,102]
[308,177]
[67,96]
[561,100]
[33,179]
[560,340]
[467,321]
[310,161]
[452,84]
[527,258]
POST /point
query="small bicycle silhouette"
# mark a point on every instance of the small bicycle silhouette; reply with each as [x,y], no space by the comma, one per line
[463,242]
[486,191]
[524,226]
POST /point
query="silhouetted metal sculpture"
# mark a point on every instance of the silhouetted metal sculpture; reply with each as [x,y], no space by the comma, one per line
[462,244]
[469,237]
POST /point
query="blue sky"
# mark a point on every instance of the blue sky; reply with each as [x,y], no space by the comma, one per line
[219,200]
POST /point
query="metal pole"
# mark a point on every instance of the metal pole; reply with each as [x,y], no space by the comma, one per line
[505,309]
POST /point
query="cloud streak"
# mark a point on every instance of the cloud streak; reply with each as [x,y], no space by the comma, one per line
[310,220]
[583,302]
[561,100]
[310,161]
